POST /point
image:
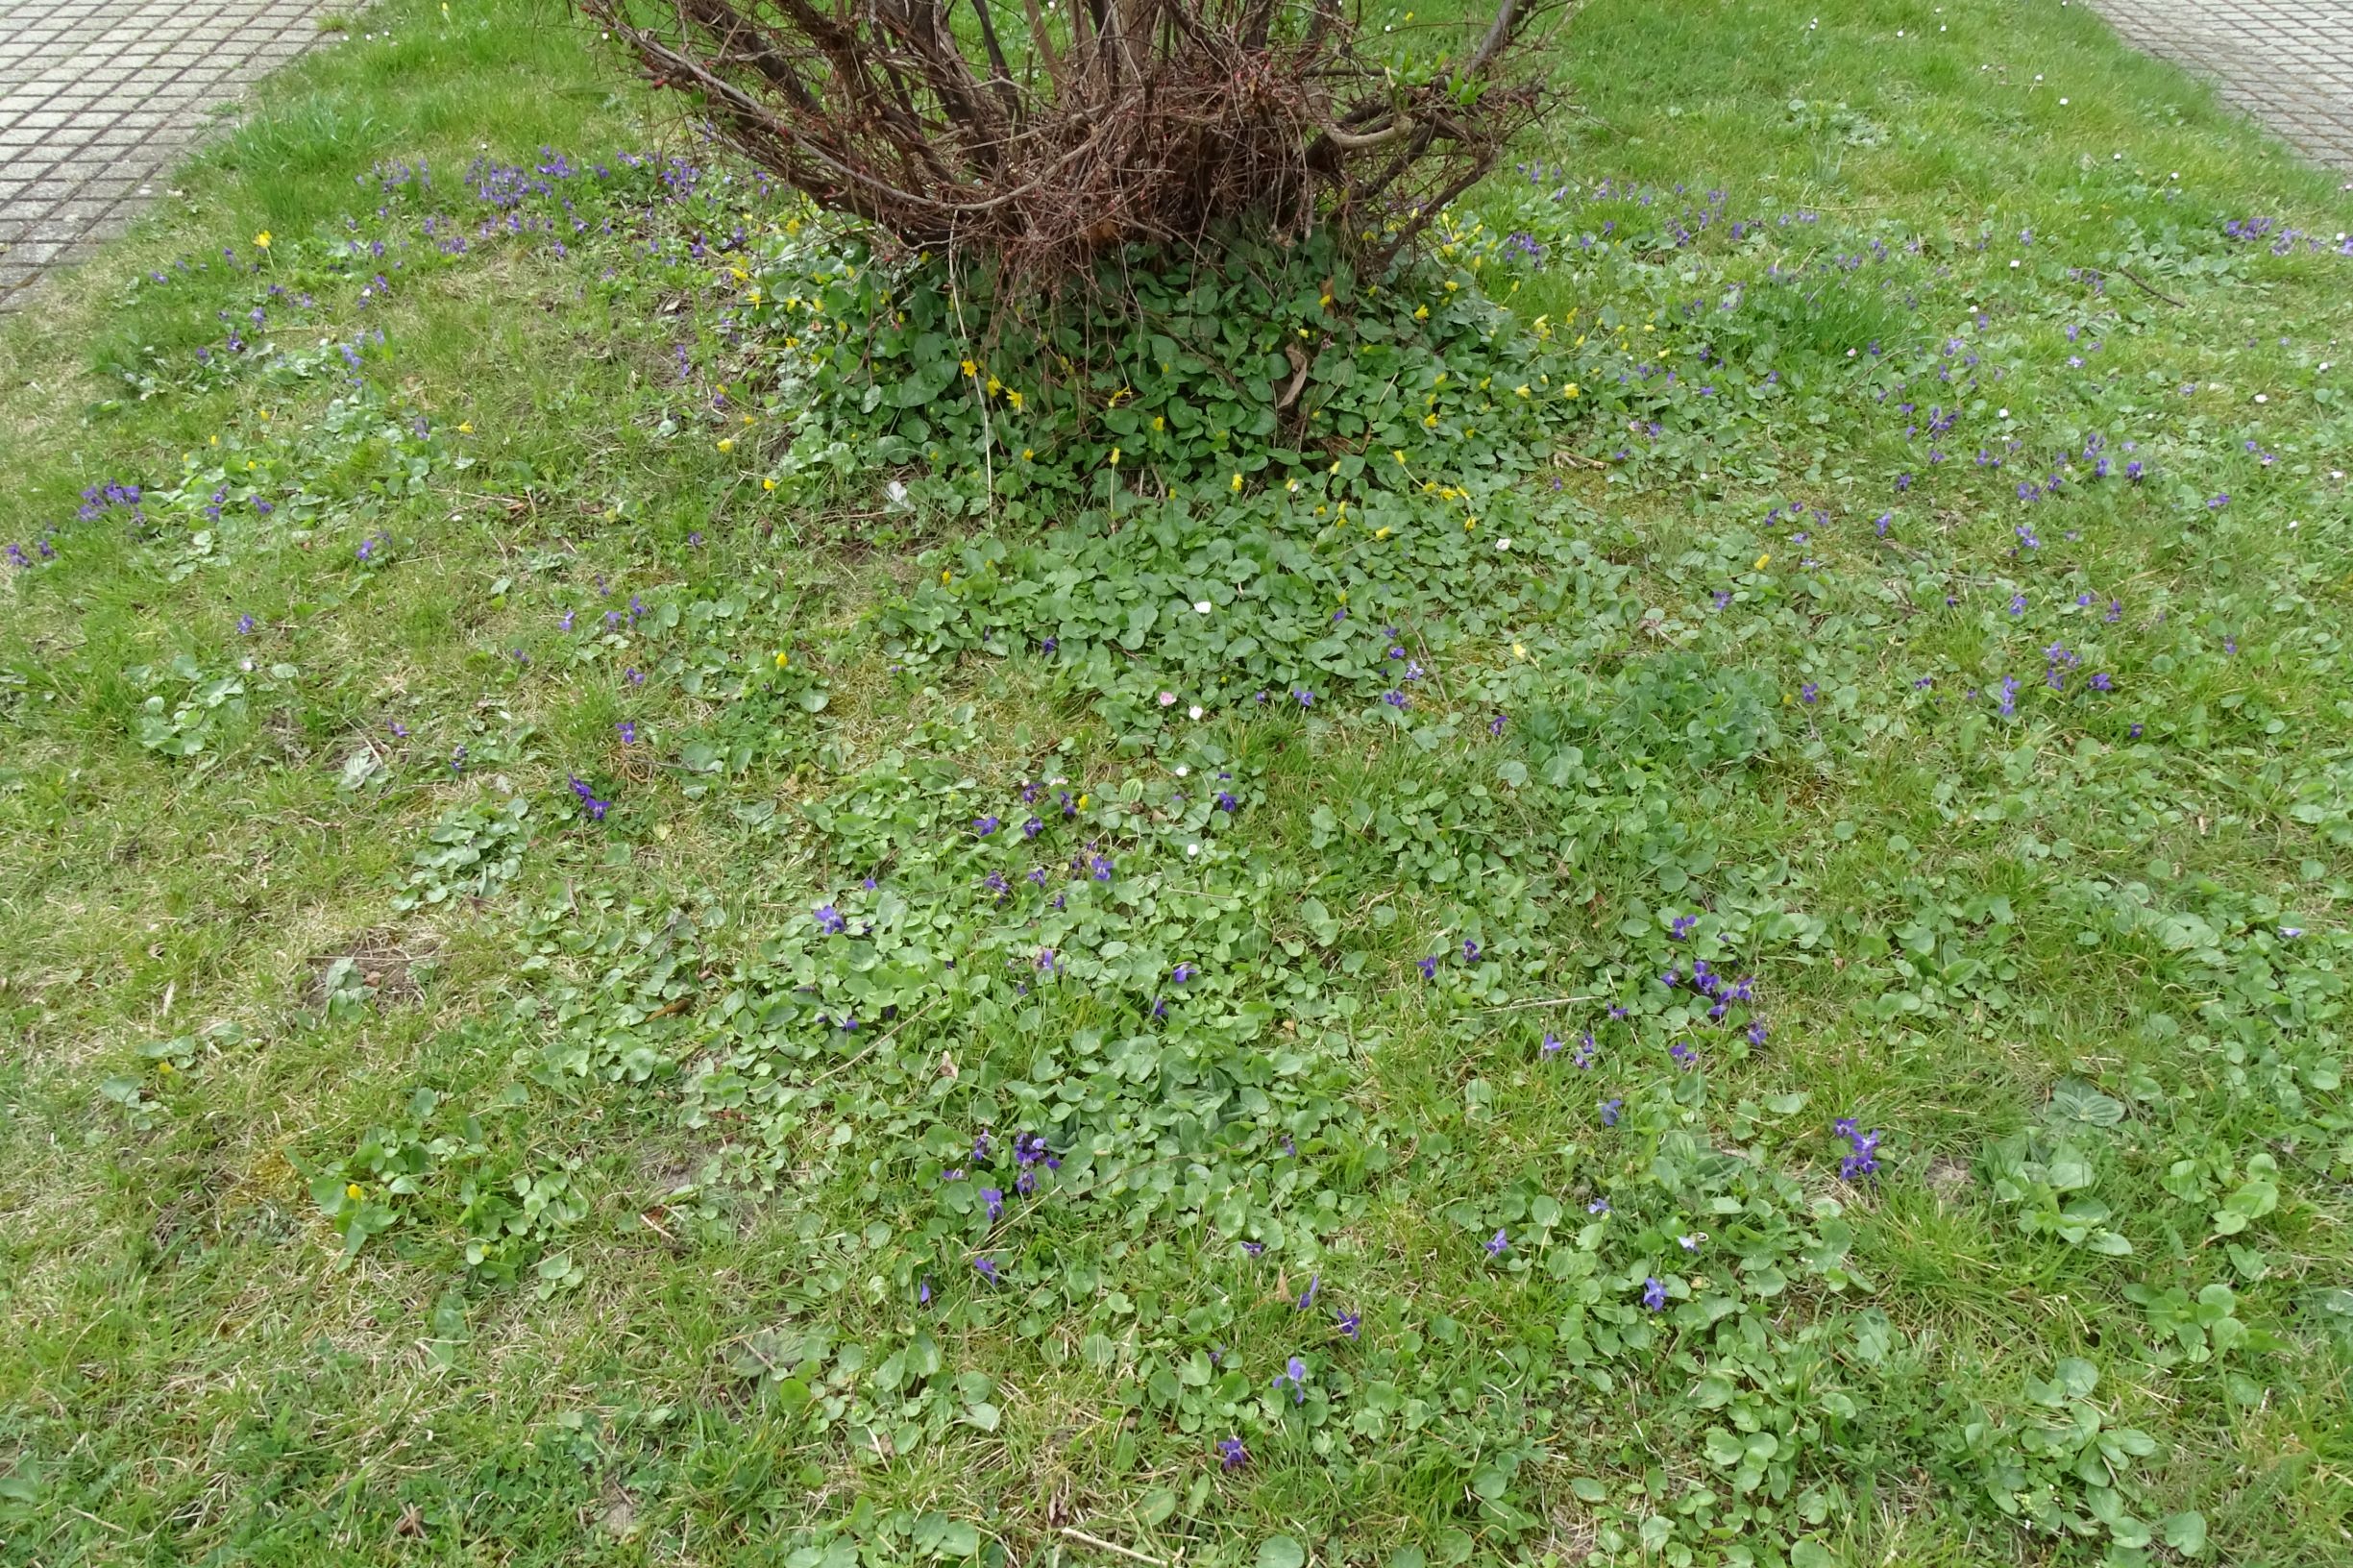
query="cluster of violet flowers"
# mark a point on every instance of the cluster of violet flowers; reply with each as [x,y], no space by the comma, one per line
[1861,1163]
[1029,1153]
[589,802]
[41,548]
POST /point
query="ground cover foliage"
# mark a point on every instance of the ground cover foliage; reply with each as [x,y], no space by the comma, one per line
[1669,888]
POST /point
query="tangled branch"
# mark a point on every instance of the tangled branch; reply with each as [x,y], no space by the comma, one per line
[1042,135]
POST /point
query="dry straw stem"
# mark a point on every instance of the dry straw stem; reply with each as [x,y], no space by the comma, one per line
[1040,137]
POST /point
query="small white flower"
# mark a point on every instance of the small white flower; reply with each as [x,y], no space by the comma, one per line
[2013,266]
[1502,544]
[2062,103]
[2262,398]
[1201,606]
[1191,849]
[2005,414]
[1195,711]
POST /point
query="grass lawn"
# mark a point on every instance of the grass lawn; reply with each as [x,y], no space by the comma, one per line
[1696,912]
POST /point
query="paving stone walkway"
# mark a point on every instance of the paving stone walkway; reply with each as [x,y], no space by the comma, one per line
[2287,62]
[100,98]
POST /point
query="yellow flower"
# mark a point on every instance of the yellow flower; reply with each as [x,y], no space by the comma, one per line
[1421,313]
[767,485]
[465,427]
[970,369]
[943,579]
[263,239]
[1520,390]
[1469,523]
[727,443]
[1238,484]
[1082,803]
[1115,456]
[1158,423]
[1290,486]
[1014,398]
[782,659]
[1381,533]
[754,295]
[1452,285]
[1398,452]
[1027,454]
[995,386]
[351,1190]
[740,273]
[1519,650]
[1762,559]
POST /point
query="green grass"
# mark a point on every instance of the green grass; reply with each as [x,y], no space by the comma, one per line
[632,1273]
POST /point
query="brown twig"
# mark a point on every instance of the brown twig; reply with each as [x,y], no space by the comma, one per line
[1079,1535]
[2147,289]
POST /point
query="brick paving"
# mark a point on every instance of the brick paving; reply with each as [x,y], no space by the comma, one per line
[2287,62]
[100,98]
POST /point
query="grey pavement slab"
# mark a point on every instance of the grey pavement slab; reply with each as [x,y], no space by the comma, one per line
[99,98]
[2287,62]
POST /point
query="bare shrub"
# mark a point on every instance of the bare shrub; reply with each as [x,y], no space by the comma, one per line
[1042,135]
